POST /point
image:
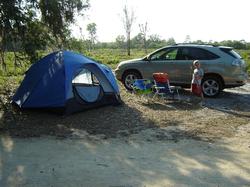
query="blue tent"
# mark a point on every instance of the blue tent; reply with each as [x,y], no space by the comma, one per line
[68,81]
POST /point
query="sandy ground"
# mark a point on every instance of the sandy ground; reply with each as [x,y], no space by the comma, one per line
[92,161]
[144,142]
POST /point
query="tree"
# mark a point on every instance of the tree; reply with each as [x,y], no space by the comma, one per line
[155,41]
[199,42]
[144,31]
[91,28]
[120,41]
[59,14]
[11,24]
[35,38]
[235,44]
[77,44]
[170,41]
[136,42]
[23,30]
[128,20]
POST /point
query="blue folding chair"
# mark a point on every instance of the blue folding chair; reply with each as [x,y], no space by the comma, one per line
[142,86]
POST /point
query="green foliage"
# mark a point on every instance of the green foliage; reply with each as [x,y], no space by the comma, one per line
[91,28]
[245,54]
[155,41]
[58,14]
[13,24]
[6,82]
[13,70]
[76,44]
[235,44]
[170,41]
[36,38]
[25,32]
[110,57]
[120,41]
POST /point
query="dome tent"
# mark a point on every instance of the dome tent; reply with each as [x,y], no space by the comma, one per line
[67,81]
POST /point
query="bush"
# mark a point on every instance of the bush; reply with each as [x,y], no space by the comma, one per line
[245,54]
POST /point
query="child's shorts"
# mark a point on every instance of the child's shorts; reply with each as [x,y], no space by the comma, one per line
[196,89]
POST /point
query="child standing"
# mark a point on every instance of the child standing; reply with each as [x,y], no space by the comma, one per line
[196,80]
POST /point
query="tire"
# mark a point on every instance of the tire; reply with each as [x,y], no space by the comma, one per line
[211,86]
[129,77]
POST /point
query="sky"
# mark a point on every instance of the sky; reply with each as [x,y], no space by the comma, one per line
[205,20]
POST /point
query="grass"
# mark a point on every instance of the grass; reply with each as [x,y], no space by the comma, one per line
[110,57]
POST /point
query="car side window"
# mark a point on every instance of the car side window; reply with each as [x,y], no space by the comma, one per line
[191,53]
[165,54]
[184,54]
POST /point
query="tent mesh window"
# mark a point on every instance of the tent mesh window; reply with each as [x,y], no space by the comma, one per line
[85,77]
[87,86]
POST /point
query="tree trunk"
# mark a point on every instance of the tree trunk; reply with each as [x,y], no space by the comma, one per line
[128,44]
[145,45]
[2,62]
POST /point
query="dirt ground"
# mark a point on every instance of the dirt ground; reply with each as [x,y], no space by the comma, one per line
[118,162]
[220,117]
[144,142]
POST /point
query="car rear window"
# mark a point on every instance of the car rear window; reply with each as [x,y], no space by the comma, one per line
[231,52]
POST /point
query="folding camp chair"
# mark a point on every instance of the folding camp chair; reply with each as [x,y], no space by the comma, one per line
[162,86]
[142,86]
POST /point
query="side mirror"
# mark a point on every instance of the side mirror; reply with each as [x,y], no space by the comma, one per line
[147,58]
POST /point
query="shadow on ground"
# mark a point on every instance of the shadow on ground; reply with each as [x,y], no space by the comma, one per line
[135,115]
[51,162]
[146,154]
[104,120]
[232,102]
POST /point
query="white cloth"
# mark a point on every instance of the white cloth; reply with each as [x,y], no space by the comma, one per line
[197,76]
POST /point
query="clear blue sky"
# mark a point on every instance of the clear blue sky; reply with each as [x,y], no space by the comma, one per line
[206,20]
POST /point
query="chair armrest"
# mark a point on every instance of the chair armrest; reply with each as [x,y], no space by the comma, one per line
[159,87]
[176,87]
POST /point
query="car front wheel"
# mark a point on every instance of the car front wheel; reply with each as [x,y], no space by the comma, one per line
[211,86]
[129,78]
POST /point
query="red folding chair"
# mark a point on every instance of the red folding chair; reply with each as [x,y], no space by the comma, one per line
[162,86]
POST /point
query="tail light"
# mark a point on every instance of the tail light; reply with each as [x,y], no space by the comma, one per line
[238,62]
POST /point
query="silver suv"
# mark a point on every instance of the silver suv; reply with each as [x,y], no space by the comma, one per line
[223,67]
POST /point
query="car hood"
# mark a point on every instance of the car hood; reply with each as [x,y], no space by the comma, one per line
[129,61]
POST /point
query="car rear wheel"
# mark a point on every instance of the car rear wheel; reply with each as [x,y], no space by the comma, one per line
[129,78]
[211,86]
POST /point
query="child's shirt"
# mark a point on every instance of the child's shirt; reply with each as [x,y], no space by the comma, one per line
[197,76]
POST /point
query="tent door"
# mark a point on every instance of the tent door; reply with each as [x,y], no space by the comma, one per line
[87,86]
[88,93]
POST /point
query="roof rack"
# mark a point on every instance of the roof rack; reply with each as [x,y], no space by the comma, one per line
[195,44]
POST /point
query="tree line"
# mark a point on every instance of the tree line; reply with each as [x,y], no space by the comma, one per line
[30,26]
[153,41]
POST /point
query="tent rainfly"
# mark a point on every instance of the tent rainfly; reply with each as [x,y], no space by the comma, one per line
[69,82]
